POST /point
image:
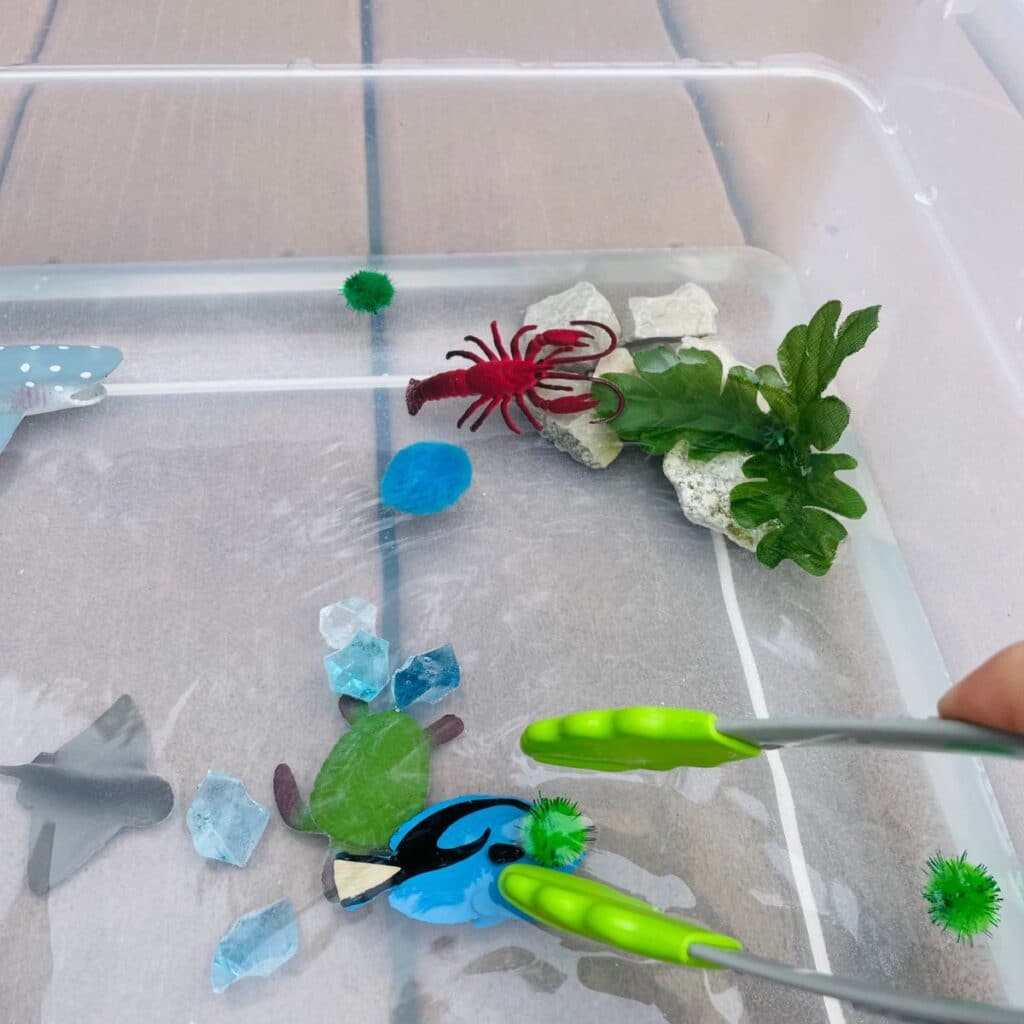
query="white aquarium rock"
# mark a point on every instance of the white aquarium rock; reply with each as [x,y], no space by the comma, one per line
[703,490]
[688,311]
[580,302]
[595,445]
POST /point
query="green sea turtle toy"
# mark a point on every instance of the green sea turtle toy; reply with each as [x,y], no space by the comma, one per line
[375,778]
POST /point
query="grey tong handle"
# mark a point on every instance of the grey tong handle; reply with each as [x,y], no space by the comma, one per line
[860,994]
[934,734]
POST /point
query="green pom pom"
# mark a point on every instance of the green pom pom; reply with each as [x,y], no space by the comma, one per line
[555,834]
[963,898]
[368,291]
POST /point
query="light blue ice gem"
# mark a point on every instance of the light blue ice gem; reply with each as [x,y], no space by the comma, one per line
[258,943]
[428,677]
[225,822]
[360,669]
[340,622]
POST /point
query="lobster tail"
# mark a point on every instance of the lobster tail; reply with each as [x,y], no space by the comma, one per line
[413,397]
[450,384]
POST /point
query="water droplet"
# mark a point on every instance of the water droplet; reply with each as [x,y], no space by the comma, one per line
[1019,324]
[927,196]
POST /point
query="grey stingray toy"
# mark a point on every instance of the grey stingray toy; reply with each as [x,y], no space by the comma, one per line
[84,794]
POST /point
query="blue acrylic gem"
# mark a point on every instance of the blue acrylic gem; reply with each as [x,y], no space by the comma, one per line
[426,477]
[225,822]
[428,677]
[360,668]
[256,944]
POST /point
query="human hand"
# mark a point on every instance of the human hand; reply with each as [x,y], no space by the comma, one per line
[993,694]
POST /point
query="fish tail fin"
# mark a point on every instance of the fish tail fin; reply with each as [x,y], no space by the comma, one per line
[352,879]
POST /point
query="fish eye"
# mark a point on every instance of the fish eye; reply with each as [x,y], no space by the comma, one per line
[504,853]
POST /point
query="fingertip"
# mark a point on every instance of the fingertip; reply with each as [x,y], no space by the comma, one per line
[993,694]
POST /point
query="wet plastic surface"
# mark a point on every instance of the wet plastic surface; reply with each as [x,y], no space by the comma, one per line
[178,541]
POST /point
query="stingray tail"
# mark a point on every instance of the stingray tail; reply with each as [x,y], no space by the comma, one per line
[354,879]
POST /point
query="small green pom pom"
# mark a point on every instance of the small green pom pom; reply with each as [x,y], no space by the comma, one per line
[963,898]
[368,291]
[555,834]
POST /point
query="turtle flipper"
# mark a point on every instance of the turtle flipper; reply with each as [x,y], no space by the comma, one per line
[293,809]
[352,708]
[444,730]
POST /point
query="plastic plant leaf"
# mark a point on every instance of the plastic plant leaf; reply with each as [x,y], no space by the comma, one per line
[605,915]
[811,354]
[795,487]
[679,396]
[823,420]
[799,499]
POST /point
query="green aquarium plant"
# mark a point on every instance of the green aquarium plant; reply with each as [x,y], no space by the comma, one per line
[963,898]
[780,416]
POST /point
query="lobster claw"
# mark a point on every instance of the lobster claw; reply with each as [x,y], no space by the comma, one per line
[570,403]
[567,337]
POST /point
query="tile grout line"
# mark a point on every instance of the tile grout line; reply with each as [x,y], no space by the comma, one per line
[783,790]
[387,541]
[739,207]
[42,35]
[380,362]
[780,780]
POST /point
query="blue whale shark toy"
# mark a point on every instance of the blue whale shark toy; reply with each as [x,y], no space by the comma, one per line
[43,378]
[443,865]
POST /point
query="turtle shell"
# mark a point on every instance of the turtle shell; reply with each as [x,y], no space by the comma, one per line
[375,778]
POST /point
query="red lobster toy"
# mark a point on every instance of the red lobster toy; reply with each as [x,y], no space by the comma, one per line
[501,379]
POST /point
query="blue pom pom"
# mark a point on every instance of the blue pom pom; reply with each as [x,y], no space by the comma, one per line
[426,477]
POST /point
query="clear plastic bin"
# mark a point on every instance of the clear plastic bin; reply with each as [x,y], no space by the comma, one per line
[176,541]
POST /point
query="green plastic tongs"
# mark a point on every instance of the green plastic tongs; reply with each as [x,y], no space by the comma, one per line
[660,739]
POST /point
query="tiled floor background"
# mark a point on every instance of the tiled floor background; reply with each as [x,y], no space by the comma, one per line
[205,171]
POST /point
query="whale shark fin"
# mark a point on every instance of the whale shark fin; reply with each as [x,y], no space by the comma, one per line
[8,425]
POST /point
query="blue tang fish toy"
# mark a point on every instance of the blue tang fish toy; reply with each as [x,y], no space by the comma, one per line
[443,865]
[43,378]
